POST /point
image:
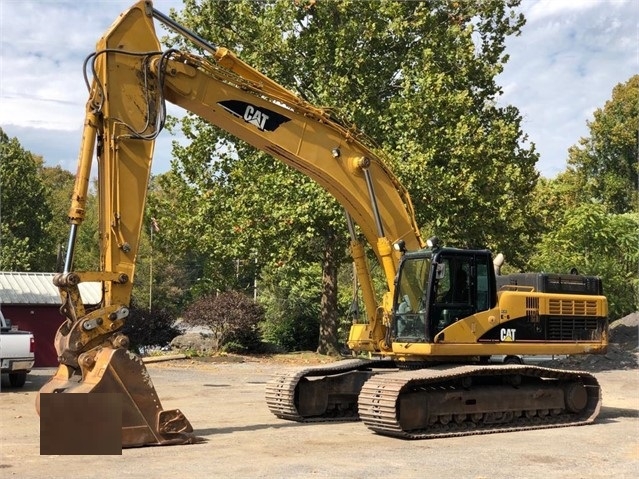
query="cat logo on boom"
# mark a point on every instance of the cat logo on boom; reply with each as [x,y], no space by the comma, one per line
[255,116]
[262,118]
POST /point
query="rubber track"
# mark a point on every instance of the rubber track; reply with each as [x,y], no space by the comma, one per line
[280,390]
[379,398]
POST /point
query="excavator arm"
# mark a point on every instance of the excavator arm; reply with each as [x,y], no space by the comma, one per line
[132,80]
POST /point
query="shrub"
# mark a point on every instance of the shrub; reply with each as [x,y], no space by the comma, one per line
[232,317]
[149,328]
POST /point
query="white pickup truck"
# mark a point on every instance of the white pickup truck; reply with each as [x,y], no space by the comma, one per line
[16,352]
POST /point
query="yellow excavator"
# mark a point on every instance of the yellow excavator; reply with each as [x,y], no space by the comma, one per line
[421,366]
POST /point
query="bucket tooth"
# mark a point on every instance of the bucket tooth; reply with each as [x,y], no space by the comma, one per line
[144,422]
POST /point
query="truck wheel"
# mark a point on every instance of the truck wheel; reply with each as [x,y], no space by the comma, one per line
[17,380]
[513,360]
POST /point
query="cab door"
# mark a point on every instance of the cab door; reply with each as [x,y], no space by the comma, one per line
[453,295]
[463,285]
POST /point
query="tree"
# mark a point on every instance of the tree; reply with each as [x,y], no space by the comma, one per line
[466,162]
[187,256]
[596,243]
[606,162]
[26,214]
[553,197]
[418,77]
[233,318]
[291,298]
[59,184]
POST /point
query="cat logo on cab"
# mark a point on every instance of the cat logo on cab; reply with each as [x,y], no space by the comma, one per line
[507,335]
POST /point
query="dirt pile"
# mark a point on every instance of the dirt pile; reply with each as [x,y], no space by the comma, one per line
[623,349]
[625,331]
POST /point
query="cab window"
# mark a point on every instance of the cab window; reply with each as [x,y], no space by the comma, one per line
[409,319]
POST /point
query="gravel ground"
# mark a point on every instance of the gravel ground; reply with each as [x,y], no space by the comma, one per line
[225,403]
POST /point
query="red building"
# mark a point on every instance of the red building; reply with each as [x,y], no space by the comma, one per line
[32,303]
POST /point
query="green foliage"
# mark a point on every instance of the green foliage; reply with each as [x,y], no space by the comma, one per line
[232,317]
[14,252]
[190,250]
[290,294]
[26,242]
[87,252]
[605,163]
[466,162]
[172,280]
[596,243]
[420,78]
[149,328]
[163,278]
[553,197]
[59,184]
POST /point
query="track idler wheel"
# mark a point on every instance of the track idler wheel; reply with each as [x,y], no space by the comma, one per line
[576,397]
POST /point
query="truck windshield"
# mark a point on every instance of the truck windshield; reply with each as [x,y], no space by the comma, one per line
[409,319]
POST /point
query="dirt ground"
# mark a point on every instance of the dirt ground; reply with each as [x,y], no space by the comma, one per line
[225,403]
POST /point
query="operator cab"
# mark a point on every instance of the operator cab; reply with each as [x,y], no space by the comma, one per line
[434,288]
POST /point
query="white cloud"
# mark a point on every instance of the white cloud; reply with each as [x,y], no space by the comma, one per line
[552,8]
[564,66]
[570,55]
[42,89]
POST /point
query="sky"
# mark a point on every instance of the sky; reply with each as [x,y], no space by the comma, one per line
[563,66]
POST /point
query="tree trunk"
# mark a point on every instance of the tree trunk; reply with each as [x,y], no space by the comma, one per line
[328,343]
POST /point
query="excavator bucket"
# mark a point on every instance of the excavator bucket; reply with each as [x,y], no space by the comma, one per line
[144,423]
